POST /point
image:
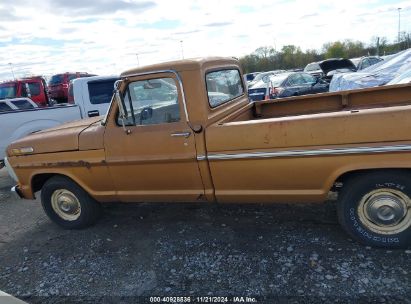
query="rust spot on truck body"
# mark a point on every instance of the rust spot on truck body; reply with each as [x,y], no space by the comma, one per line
[80,163]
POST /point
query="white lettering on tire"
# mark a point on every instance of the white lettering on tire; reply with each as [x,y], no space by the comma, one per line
[368,235]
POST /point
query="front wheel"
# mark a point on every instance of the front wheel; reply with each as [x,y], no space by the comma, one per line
[375,209]
[68,205]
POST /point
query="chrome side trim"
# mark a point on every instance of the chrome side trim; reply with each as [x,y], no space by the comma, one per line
[294,153]
[10,170]
[201,157]
[180,83]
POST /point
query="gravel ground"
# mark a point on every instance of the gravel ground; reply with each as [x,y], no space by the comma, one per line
[275,253]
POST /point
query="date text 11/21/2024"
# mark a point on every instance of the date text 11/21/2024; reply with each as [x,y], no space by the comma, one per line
[206,299]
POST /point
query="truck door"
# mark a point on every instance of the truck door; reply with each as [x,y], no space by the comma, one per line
[99,93]
[155,158]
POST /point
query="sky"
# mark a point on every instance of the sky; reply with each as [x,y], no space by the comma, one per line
[106,37]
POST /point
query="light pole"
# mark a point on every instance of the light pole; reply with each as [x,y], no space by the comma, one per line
[182,50]
[399,26]
[11,67]
[138,61]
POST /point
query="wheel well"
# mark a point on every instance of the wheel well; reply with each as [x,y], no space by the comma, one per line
[348,175]
[39,180]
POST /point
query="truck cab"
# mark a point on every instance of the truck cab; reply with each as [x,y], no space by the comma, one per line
[92,93]
[31,87]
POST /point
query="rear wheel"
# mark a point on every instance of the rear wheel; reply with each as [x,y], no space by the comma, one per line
[375,209]
[68,205]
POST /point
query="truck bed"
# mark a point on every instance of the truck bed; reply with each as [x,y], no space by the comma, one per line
[386,96]
[311,140]
[300,121]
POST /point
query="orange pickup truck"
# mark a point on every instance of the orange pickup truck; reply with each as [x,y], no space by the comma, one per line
[185,131]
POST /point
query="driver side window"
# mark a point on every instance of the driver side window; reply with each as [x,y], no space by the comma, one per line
[151,102]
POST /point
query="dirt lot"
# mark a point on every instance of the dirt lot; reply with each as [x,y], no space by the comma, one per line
[273,253]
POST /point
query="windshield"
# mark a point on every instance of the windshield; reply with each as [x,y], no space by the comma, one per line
[4,107]
[56,79]
[259,77]
[277,80]
[312,67]
[8,91]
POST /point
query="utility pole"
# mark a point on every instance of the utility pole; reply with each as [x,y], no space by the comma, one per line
[399,28]
[11,67]
[182,50]
[378,46]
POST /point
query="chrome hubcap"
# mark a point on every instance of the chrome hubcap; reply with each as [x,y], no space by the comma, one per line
[66,205]
[385,211]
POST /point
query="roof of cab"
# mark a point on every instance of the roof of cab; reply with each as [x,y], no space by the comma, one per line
[181,65]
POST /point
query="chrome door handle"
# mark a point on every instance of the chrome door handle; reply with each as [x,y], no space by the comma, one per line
[181,134]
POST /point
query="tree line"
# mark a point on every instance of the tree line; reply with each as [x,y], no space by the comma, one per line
[267,58]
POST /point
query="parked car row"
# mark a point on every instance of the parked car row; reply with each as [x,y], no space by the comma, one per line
[88,97]
[315,78]
[36,88]
[288,84]
[326,69]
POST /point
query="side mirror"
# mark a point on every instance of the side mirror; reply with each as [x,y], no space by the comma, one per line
[121,105]
[119,100]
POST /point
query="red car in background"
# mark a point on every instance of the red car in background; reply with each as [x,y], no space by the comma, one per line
[59,84]
[31,87]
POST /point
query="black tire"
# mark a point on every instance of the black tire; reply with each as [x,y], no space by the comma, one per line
[89,211]
[360,192]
